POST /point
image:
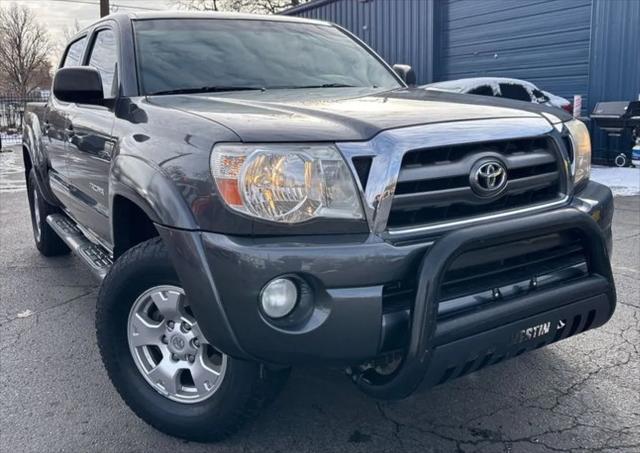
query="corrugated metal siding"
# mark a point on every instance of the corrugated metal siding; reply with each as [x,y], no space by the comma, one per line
[399,30]
[615,51]
[543,41]
[615,65]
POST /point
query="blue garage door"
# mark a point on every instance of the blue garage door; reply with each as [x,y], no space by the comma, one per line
[543,41]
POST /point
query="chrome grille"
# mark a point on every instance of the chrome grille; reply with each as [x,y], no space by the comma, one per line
[434,184]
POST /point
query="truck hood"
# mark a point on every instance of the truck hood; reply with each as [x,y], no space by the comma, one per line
[338,114]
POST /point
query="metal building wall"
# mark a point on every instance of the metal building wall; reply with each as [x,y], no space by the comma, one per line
[615,51]
[401,31]
[615,65]
[545,42]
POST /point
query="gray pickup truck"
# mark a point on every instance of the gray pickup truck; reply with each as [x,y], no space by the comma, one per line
[260,192]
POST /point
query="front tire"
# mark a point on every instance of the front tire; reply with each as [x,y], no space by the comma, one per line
[159,361]
[47,241]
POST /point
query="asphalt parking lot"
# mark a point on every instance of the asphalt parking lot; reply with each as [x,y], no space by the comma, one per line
[579,395]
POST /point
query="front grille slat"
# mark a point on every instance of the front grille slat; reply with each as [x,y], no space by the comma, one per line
[532,182]
[434,185]
[447,196]
[536,157]
[434,171]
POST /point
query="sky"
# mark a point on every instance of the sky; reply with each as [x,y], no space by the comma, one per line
[58,15]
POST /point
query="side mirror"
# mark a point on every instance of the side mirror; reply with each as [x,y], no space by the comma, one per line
[79,85]
[406,73]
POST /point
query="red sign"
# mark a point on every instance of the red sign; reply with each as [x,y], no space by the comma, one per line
[577,105]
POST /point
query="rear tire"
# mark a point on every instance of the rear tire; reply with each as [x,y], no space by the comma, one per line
[621,160]
[243,389]
[47,241]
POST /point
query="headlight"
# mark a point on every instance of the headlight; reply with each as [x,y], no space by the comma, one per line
[581,166]
[285,183]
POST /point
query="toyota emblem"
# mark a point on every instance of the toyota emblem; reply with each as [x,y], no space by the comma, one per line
[488,177]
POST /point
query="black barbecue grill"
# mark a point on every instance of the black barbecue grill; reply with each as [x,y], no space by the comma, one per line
[620,123]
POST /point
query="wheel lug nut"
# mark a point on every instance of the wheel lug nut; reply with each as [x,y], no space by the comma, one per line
[171,324]
[164,339]
[186,327]
[196,343]
[175,357]
[191,358]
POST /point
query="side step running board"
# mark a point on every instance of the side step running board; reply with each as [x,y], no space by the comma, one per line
[93,255]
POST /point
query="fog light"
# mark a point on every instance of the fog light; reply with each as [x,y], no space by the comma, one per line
[279,297]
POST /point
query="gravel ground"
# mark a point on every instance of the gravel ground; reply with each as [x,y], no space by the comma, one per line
[579,395]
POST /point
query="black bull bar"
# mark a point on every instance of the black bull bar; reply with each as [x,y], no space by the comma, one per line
[437,351]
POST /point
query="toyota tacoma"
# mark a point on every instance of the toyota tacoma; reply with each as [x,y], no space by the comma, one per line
[262,192]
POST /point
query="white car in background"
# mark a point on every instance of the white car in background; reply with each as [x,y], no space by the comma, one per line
[520,90]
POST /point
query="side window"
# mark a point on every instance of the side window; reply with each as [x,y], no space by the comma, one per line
[74,53]
[104,58]
[513,91]
[539,96]
[482,90]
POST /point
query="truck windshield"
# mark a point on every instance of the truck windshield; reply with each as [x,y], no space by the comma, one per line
[200,55]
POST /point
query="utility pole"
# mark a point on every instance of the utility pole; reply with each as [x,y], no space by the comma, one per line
[104,8]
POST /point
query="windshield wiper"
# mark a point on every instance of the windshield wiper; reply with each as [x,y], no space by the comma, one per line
[207,89]
[324,85]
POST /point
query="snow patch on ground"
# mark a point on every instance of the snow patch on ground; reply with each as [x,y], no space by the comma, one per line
[622,181]
[10,139]
[11,171]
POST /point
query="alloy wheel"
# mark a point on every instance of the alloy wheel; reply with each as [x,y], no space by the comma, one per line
[169,349]
[36,214]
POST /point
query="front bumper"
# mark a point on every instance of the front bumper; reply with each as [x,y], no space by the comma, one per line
[348,275]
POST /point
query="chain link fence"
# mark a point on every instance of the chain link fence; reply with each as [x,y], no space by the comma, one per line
[12,115]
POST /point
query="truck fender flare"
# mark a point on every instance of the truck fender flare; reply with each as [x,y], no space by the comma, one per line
[151,190]
[40,172]
[143,184]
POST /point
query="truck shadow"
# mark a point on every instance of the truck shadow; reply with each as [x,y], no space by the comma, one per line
[513,400]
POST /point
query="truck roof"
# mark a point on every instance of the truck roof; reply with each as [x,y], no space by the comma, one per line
[473,82]
[150,15]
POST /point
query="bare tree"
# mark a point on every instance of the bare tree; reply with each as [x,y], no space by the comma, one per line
[250,6]
[68,32]
[199,5]
[71,30]
[24,49]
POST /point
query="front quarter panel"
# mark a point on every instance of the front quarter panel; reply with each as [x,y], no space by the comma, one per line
[161,161]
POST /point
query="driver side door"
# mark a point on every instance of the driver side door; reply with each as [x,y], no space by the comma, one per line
[91,144]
